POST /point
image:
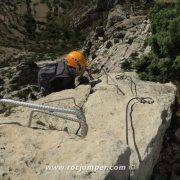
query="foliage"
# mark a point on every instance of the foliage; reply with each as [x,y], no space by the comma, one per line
[130,40]
[150,67]
[30,25]
[62,38]
[142,63]
[101,21]
[20,1]
[163,64]
[126,65]
[164,27]
[176,67]
[2,51]
[52,30]
[116,40]
[5,61]
[7,110]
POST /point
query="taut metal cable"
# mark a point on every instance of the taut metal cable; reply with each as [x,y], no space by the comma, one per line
[129,78]
[80,118]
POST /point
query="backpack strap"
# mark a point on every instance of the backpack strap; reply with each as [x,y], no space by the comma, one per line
[63,70]
[45,76]
[60,68]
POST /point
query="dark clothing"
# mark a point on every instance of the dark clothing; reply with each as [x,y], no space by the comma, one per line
[59,84]
[56,77]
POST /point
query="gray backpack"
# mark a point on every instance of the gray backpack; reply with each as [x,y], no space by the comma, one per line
[52,71]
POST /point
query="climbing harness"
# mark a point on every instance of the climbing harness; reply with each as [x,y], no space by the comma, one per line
[55,111]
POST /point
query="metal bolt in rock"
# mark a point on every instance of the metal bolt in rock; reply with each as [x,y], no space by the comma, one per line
[55,111]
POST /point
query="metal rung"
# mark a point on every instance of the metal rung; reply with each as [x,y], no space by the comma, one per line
[80,118]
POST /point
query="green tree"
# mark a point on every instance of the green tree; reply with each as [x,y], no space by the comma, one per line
[163,64]
[30,25]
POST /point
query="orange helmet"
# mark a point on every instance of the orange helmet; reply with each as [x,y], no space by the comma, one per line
[76,60]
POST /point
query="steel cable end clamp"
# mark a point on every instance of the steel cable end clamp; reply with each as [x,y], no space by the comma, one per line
[146,100]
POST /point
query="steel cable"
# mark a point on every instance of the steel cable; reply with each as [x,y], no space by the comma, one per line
[52,111]
[143,100]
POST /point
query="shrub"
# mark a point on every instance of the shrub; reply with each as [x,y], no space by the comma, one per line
[130,40]
[52,30]
[161,43]
[126,65]
[30,25]
[163,64]
[164,25]
[174,29]
[116,40]
[2,51]
[142,63]
[176,67]
[152,68]
[144,76]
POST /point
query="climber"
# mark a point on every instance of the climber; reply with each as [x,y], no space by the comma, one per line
[61,75]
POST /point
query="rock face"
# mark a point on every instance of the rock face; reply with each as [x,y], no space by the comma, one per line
[124,132]
[120,37]
[168,165]
[31,152]
[124,39]
[177,135]
[18,19]
[19,81]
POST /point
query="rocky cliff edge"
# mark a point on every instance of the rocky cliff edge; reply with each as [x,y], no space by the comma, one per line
[27,152]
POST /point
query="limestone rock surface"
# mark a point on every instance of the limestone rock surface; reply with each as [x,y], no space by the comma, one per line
[27,153]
